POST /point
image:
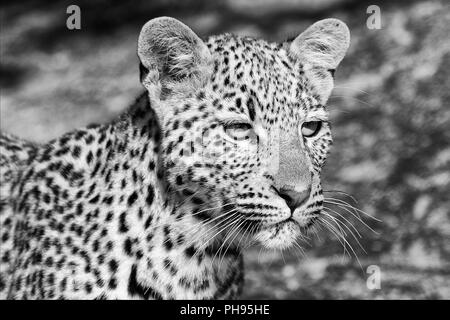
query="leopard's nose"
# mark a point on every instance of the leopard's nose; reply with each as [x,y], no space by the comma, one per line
[294,199]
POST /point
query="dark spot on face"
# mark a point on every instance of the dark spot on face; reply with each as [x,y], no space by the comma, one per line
[76,152]
[188,192]
[189,251]
[150,195]
[148,222]
[201,95]
[113,265]
[251,109]
[112,284]
[128,246]
[135,288]
[88,288]
[187,124]
[197,200]
[123,227]
[238,103]
[132,198]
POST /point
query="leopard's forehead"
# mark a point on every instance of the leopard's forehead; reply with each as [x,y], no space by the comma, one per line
[264,72]
[244,47]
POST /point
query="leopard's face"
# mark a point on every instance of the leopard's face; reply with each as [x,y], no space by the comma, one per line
[245,148]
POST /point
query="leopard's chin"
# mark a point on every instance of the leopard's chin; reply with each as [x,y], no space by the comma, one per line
[279,236]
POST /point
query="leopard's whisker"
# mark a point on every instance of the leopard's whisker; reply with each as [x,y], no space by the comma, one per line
[214,208]
[351,232]
[352,207]
[282,255]
[335,232]
[343,193]
[251,236]
[196,213]
[237,228]
[176,191]
[224,222]
[236,231]
[227,225]
[353,98]
[202,223]
[351,248]
[225,216]
[333,219]
[327,209]
[315,230]
[357,217]
[343,202]
[298,248]
[200,250]
[354,89]
[243,234]
[338,237]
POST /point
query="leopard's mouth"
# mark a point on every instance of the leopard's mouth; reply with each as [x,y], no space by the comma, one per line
[280,224]
[280,235]
[283,234]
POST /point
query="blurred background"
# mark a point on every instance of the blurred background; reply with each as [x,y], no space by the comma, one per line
[390,115]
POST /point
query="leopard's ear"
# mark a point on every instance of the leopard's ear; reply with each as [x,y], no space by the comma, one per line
[173,58]
[321,48]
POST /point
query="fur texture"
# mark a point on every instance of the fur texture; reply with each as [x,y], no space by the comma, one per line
[160,203]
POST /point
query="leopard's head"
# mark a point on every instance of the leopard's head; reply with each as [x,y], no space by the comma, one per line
[244,123]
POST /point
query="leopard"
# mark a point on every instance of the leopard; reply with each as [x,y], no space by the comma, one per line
[222,150]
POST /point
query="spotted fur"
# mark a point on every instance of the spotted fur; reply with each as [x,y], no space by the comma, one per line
[160,203]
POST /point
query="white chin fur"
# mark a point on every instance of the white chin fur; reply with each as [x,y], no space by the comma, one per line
[279,236]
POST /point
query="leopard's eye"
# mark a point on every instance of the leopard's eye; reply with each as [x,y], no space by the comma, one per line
[238,130]
[311,128]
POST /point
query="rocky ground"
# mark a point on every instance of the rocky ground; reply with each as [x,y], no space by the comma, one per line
[390,113]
